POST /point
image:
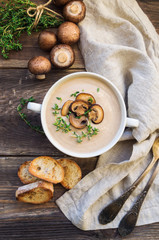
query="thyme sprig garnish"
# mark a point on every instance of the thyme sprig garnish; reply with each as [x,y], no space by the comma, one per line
[61,124]
[56,109]
[20,107]
[74,94]
[15,21]
[90,133]
[59,98]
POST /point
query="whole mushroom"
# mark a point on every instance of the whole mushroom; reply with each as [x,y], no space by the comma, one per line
[68,33]
[62,56]
[74,11]
[47,40]
[60,2]
[39,66]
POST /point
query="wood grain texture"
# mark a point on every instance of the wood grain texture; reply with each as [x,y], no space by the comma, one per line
[19,143]
[15,84]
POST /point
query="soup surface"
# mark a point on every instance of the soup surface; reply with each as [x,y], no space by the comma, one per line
[103,95]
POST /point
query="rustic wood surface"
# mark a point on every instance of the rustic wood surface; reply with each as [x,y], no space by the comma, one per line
[19,143]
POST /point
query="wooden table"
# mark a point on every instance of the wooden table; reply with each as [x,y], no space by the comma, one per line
[19,143]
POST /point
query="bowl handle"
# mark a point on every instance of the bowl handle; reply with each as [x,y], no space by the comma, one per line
[35,107]
[132,122]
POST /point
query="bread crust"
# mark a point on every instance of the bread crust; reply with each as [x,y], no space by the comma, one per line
[36,193]
[72,173]
[47,168]
[24,174]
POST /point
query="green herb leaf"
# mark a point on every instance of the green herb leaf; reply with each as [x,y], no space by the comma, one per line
[74,94]
[90,133]
[20,107]
[59,98]
[90,100]
[98,89]
[62,125]
[15,21]
[56,107]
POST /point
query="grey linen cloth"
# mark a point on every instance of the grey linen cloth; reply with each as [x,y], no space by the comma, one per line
[119,42]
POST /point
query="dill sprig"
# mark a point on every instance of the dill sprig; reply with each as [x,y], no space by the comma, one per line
[15,21]
[20,107]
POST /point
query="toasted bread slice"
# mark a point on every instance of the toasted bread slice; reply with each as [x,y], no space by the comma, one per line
[72,173]
[24,174]
[36,193]
[47,168]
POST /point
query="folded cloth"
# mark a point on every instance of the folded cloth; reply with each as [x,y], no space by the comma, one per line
[119,42]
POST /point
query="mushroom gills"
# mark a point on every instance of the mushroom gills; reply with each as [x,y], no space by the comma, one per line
[96,114]
[79,107]
[62,56]
[74,11]
[76,122]
[75,8]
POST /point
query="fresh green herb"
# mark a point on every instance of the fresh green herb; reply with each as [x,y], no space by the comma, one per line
[90,100]
[56,108]
[79,138]
[15,21]
[59,98]
[20,107]
[86,113]
[90,133]
[98,89]
[55,113]
[78,117]
[62,125]
[74,94]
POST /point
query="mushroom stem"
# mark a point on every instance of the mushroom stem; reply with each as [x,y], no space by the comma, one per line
[74,8]
[40,77]
[62,57]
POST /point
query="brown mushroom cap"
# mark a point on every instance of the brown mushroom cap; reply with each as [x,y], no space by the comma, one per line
[60,2]
[65,107]
[74,11]
[68,33]
[62,56]
[39,66]
[78,123]
[96,113]
[79,107]
[47,40]
[87,97]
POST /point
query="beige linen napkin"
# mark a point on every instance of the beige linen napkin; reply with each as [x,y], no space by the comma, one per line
[119,42]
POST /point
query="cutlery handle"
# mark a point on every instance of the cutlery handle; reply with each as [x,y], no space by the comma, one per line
[128,222]
[110,212]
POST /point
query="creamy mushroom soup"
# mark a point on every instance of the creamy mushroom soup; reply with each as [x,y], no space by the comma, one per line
[103,95]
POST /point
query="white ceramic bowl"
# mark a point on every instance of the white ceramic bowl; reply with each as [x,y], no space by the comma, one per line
[78,151]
